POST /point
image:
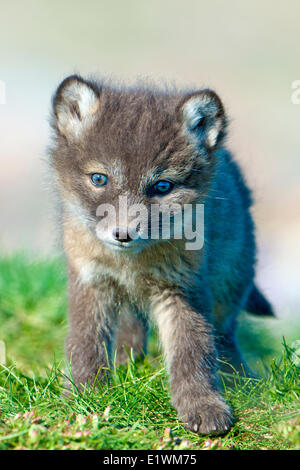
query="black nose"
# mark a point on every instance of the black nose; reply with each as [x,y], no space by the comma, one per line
[121,235]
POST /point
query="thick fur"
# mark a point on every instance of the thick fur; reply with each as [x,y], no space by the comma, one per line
[137,136]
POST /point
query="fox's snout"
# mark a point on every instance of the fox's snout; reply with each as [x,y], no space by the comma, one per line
[121,235]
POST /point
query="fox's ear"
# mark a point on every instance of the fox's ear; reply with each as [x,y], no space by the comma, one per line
[204,118]
[75,105]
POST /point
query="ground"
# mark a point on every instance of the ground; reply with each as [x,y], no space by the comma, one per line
[133,410]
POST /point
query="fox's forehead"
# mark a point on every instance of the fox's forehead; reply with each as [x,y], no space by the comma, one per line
[133,135]
[133,126]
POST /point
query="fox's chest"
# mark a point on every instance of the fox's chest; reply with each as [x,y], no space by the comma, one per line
[140,282]
[94,273]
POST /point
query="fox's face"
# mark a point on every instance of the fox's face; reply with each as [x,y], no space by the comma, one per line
[128,162]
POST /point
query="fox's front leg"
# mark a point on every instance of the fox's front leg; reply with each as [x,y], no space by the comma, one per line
[91,329]
[191,359]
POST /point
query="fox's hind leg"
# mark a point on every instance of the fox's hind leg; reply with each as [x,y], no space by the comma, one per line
[131,336]
[230,355]
[229,352]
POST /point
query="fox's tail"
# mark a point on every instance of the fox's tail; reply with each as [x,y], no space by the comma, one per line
[258,304]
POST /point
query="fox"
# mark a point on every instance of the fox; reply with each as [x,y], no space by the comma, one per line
[166,149]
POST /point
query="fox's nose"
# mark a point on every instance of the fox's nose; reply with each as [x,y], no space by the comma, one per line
[121,235]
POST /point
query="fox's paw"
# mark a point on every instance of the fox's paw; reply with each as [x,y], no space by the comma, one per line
[211,416]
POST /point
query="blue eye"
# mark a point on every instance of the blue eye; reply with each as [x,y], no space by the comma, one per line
[162,187]
[98,179]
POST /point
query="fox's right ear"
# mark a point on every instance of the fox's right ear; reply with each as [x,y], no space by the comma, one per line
[75,105]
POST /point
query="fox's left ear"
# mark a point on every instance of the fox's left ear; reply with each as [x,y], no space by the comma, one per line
[75,105]
[204,118]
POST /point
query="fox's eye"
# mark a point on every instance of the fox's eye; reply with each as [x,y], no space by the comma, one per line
[162,187]
[98,179]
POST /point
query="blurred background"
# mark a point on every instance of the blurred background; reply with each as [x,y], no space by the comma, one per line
[247,51]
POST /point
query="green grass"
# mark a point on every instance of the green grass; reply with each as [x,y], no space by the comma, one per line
[133,411]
